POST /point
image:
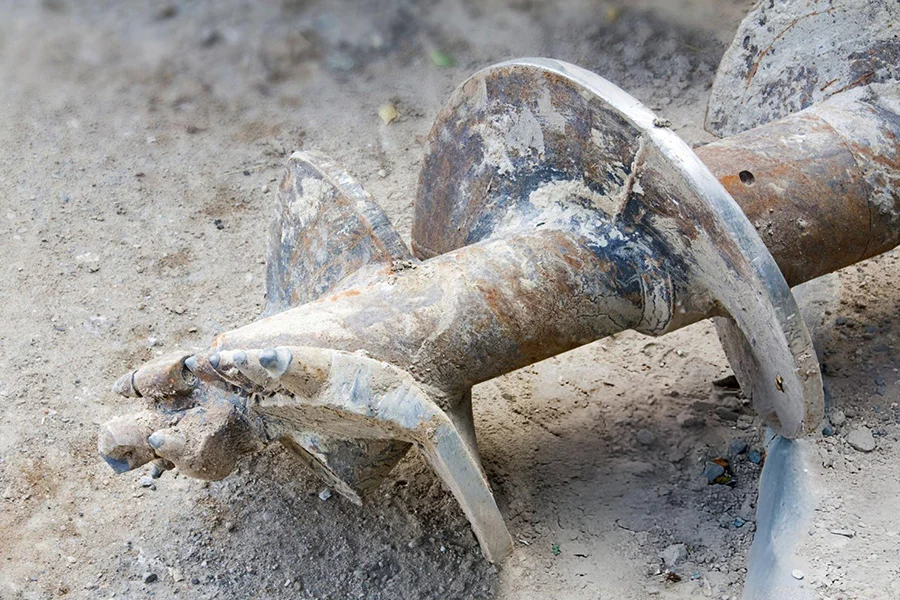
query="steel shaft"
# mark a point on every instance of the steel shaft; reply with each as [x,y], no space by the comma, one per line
[821,188]
[821,185]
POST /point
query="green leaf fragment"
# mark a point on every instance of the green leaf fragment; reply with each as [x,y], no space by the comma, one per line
[442,59]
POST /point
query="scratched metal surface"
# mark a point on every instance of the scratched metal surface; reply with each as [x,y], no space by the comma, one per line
[788,55]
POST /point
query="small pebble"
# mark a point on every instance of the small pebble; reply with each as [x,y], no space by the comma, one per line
[737,446]
[713,471]
[726,414]
[837,418]
[157,470]
[209,37]
[797,574]
[738,522]
[324,494]
[729,382]
[149,577]
[754,456]
[167,12]
[687,420]
[674,554]
[645,437]
[861,439]
[229,526]
[147,482]
[827,431]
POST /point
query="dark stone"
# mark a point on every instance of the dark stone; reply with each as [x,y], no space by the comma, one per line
[737,447]
[713,471]
[726,415]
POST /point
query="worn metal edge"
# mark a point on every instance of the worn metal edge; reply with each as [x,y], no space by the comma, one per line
[787,500]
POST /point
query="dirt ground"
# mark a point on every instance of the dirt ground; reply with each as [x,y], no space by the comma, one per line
[139,143]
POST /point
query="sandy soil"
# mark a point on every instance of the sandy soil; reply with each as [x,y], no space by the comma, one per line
[139,142]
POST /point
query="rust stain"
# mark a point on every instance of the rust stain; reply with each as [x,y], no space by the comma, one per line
[765,52]
[863,80]
[346,294]
[829,84]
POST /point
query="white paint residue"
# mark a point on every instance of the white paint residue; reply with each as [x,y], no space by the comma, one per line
[557,192]
[519,133]
[553,119]
[526,134]
[307,203]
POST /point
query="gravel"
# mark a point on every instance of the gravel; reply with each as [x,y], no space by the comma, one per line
[861,439]
[674,555]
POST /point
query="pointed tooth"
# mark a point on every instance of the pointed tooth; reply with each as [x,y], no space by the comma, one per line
[228,368]
[156,439]
[268,358]
[276,361]
[191,364]
[124,386]
[122,441]
[167,443]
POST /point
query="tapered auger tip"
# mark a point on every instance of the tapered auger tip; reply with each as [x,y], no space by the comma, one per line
[124,386]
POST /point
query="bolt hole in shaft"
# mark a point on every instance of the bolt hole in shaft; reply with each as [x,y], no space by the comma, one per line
[747,178]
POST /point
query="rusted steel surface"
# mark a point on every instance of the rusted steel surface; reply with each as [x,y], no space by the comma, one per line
[328,234]
[553,210]
[788,55]
[316,245]
[470,315]
[522,142]
[822,186]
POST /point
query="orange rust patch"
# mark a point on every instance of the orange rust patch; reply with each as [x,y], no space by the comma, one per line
[347,294]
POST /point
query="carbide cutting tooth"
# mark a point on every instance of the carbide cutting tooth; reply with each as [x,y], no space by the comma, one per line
[268,358]
[191,364]
[156,439]
[239,358]
[122,442]
[214,360]
[275,361]
[166,441]
[124,386]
